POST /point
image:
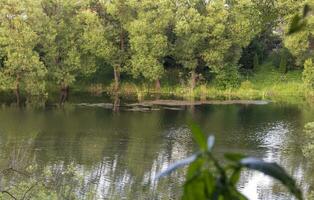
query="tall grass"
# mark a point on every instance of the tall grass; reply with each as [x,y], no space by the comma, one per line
[266,83]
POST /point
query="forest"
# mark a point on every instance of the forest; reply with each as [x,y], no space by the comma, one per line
[241,49]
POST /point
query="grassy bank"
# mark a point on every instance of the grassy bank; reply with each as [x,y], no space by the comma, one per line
[267,83]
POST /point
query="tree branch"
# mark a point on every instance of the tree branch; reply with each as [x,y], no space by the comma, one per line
[8,193]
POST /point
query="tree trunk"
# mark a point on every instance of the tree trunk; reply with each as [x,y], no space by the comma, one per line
[64,94]
[17,92]
[193,79]
[121,38]
[116,103]
[116,69]
[157,85]
[116,78]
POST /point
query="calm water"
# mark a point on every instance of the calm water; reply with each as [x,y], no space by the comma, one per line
[117,155]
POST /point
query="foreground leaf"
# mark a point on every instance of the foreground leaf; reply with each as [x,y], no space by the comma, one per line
[177,165]
[198,135]
[200,183]
[234,178]
[297,24]
[235,157]
[273,170]
[306,10]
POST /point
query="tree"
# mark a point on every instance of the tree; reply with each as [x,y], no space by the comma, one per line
[229,31]
[255,61]
[66,50]
[300,43]
[191,34]
[21,66]
[148,39]
[116,17]
[268,17]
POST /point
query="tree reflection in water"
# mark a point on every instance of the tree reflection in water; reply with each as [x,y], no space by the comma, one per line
[91,153]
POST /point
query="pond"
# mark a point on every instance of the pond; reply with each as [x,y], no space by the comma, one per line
[116,155]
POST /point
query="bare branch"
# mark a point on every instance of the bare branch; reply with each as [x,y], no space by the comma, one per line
[28,190]
[8,193]
[14,170]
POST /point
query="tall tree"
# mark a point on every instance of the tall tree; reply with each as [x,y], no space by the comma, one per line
[229,31]
[66,49]
[21,66]
[148,39]
[115,18]
[191,35]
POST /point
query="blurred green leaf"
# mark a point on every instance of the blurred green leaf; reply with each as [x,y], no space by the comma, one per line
[235,176]
[209,182]
[235,157]
[273,170]
[200,183]
[306,10]
[195,189]
[198,135]
[234,194]
[206,178]
[297,24]
[194,169]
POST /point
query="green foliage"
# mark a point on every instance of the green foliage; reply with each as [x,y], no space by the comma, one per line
[255,61]
[191,34]
[300,30]
[61,41]
[207,178]
[227,77]
[116,17]
[299,22]
[149,43]
[70,43]
[21,64]
[247,85]
[283,63]
[255,51]
[308,74]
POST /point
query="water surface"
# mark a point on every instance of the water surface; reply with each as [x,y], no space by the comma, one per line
[117,154]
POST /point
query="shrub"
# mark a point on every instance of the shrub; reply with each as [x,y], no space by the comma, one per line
[227,77]
[247,85]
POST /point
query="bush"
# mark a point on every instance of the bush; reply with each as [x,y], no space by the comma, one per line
[282,59]
[308,74]
[227,77]
[247,85]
